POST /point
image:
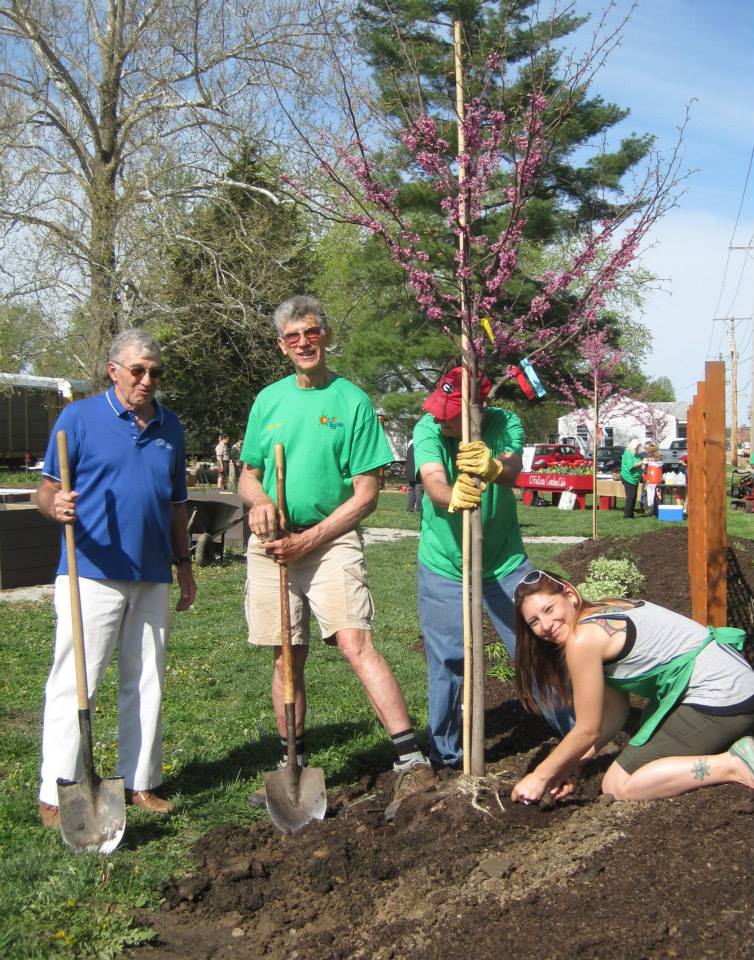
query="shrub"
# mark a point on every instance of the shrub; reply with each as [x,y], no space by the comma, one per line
[500,664]
[612,577]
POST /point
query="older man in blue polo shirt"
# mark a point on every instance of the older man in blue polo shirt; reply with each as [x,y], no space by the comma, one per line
[128,507]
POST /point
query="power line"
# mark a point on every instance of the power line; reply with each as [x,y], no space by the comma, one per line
[716,311]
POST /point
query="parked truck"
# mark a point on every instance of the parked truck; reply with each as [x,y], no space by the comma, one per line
[674,457]
[29,407]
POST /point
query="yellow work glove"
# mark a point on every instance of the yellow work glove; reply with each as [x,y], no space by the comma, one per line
[476,460]
[466,495]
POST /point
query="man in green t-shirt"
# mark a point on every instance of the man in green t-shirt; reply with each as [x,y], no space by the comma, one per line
[448,468]
[334,449]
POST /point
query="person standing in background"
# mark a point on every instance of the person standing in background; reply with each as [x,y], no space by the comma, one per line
[235,463]
[413,480]
[222,457]
[630,474]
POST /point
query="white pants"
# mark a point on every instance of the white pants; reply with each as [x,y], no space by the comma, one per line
[135,618]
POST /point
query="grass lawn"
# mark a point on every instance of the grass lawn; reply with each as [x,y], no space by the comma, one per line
[219,738]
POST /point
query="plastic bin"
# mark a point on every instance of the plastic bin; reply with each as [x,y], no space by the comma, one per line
[672,512]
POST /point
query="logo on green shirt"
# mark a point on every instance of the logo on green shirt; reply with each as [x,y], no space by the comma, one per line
[332,422]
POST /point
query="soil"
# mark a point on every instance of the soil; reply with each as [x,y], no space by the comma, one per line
[463,871]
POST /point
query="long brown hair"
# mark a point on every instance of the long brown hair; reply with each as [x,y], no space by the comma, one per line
[541,674]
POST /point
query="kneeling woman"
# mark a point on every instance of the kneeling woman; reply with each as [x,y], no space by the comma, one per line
[700,689]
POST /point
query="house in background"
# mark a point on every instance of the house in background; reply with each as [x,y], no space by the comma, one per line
[624,419]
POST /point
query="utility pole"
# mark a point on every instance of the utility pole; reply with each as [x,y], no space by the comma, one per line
[733,396]
[748,248]
[734,386]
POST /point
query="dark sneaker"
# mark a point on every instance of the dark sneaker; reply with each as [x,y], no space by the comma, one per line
[417,778]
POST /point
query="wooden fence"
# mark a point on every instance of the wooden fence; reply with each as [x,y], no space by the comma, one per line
[706,503]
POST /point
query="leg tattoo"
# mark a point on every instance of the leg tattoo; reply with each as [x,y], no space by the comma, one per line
[701,769]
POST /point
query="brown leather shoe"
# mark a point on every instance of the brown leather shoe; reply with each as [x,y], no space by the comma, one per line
[416,778]
[49,814]
[150,802]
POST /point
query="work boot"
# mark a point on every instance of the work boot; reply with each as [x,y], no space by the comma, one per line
[150,803]
[416,778]
[258,799]
[49,814]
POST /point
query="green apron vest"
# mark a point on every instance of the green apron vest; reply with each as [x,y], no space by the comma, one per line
[665,685]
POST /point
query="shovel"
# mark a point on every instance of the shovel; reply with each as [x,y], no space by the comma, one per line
[92,811]
[295,795]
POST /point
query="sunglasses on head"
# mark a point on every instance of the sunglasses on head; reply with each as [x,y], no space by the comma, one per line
[312,334]
[532,577]
[138,372]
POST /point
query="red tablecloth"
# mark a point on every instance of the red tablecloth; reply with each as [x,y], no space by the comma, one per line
[554,483]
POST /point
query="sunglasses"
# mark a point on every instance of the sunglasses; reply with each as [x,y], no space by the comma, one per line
[312,335]
[138,372]
[532,577]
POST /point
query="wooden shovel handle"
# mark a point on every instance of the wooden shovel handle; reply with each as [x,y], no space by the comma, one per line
[77,625]
[285,608]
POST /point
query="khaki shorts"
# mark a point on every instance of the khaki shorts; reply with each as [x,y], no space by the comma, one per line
[329,583]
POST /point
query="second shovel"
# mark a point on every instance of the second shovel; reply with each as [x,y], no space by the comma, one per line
[295,795]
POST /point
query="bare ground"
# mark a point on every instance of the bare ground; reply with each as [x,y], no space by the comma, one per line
[463,872]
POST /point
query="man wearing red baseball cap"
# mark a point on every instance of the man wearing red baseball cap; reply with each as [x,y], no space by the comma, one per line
[449,470]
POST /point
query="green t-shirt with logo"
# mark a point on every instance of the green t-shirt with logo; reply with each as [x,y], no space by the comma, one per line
[630,466]
[330,434]
[440,542]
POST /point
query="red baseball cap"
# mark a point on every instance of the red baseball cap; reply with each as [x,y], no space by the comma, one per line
[444,402]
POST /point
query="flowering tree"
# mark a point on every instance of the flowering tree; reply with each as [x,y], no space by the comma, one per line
[487,285]
[483,296]
[600,361]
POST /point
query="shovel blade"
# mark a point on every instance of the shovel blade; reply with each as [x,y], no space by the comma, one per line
[92,814]
[290,804]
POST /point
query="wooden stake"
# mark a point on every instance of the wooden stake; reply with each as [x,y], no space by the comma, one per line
[594,457]
[465,430]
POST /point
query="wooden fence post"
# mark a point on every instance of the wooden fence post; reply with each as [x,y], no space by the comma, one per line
[706,503]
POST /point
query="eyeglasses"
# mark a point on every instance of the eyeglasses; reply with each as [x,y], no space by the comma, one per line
[532,577]
[138,372]
[312,335]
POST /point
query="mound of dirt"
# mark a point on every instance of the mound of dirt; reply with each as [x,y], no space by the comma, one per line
[662,557]
[464,872]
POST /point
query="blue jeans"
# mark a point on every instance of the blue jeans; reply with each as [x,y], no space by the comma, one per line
[441,619]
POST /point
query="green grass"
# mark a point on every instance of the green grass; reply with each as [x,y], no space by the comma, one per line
[19,478]
[219,738]
[391,512]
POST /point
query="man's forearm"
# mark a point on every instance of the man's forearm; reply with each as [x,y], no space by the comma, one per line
[343,519]
[250,488]
[179,531]
[512,466]
[45,495]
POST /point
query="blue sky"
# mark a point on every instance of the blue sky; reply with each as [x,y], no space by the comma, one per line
[673,52]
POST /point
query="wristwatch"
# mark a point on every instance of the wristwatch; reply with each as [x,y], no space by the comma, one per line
[182,561]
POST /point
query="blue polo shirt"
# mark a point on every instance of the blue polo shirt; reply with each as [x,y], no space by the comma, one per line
[127,480]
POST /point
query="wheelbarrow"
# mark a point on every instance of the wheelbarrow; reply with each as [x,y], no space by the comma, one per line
[209,521]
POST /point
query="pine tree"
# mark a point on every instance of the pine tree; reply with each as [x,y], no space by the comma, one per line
[238,255]
[409,46]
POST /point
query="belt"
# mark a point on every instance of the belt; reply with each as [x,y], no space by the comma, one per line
[299,527]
